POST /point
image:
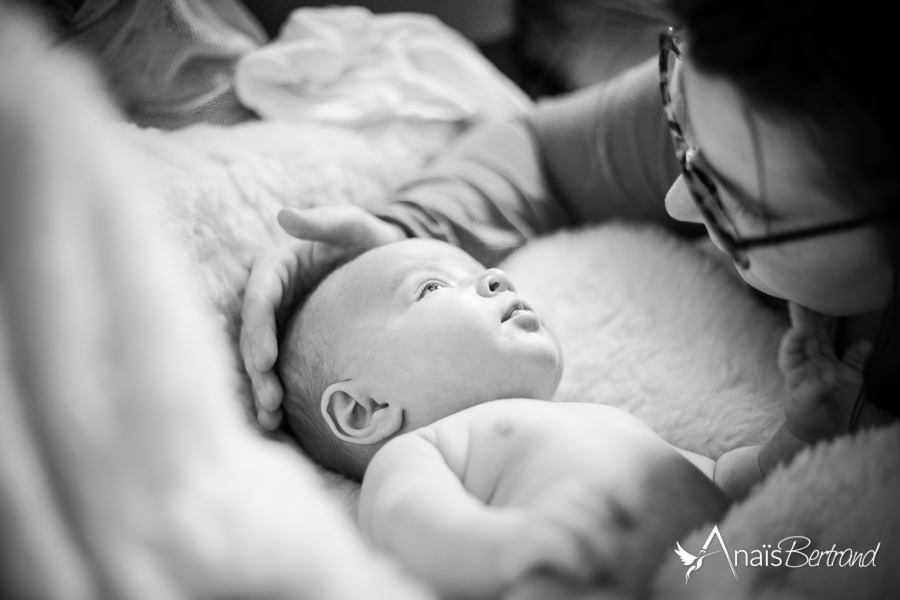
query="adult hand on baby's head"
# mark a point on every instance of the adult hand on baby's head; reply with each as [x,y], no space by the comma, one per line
[282,276]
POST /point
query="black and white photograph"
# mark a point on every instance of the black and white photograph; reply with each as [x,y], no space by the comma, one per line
[449,300]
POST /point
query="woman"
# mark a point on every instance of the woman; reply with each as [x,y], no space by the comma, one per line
[775,130]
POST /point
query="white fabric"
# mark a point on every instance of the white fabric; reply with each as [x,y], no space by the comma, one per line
[346,65]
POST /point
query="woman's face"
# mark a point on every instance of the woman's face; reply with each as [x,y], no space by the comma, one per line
[773,180]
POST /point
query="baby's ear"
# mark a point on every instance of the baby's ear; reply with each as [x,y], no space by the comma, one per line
[356,417]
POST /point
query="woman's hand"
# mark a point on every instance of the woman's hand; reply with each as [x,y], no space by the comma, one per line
[282,276]
[823,389]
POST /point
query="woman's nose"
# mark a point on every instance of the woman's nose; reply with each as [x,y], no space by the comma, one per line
[680,204]
[493,282]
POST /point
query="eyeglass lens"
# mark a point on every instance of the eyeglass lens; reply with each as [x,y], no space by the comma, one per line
[700,185]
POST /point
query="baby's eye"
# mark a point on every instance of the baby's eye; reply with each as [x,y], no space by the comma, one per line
[430,287]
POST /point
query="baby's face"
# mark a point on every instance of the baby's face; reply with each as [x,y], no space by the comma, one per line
[423,324]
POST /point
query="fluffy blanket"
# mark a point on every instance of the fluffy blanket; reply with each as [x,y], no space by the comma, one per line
[220,188]
[126,467]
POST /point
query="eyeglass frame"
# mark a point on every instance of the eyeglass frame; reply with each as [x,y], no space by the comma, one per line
[710,202]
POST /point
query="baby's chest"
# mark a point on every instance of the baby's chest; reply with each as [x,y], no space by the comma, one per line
[495,449]
[514,460]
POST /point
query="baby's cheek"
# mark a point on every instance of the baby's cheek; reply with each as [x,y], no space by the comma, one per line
[462,345]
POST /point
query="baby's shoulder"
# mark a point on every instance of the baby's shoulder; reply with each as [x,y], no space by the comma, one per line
[496,415]
[521,412]
[467,439]
[451,436]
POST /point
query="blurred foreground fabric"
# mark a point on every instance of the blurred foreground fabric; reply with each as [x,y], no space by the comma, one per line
[167,63]
[126,468]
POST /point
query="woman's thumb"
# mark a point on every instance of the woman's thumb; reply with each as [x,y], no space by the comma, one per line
[322,224]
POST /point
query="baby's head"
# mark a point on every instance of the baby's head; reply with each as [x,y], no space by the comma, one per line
[400,337]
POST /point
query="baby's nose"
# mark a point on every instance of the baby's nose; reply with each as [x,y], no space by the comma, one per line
[493,282]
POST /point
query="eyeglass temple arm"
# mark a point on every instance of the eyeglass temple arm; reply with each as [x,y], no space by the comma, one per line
[778,238]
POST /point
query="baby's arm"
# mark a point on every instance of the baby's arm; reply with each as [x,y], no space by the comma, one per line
[823,391]
[414,506]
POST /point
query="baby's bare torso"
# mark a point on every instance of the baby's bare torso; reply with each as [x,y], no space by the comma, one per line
[515,452]
[585,489]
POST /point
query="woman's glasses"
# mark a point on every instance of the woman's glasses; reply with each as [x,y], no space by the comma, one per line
[703,188]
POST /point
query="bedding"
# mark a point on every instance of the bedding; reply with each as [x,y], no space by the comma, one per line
[125,464]
[346,65]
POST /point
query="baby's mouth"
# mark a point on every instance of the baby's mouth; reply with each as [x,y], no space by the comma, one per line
[514,309]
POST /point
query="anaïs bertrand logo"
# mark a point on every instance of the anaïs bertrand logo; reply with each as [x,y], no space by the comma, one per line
[793,552]
[695,562]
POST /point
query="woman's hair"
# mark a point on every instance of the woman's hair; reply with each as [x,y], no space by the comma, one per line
[826,66]
[826,69]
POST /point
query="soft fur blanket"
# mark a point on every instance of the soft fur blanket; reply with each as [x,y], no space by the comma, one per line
[220,188]
[126,466]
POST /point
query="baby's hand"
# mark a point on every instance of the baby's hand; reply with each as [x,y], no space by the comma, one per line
[823,389]
[563,535]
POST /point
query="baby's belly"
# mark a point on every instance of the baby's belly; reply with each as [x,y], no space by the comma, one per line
[520,450]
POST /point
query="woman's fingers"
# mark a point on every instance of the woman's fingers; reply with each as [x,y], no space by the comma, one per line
[258,333]
[270,286]
[269,420]
[266,387]
[329,224]
[344,226]
[259,350]
[303,224]
[268,393]
[262,297]
[268,390]
[280,277]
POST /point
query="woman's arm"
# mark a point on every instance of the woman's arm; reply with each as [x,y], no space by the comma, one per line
[600,153]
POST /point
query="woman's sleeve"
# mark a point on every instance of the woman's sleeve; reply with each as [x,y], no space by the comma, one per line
[602,152]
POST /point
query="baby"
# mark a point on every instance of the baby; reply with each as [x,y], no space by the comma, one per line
[417,370]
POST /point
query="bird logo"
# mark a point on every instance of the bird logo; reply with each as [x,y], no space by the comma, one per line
[688,559]
[695,562]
